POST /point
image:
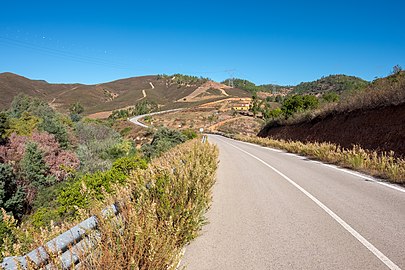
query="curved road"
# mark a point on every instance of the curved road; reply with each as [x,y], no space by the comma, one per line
[136,119]
[273,210]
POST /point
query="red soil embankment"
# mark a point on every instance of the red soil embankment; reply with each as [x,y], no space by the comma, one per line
[380,129]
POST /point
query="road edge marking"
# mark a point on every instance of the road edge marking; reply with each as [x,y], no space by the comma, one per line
[390,264]
[348,171]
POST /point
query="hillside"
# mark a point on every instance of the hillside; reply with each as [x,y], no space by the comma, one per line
[252,87]
[372,118]
[167,91]
[332,83]
[335,83]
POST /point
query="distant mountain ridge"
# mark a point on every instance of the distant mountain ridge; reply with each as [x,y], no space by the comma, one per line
[164,90]
[336,83]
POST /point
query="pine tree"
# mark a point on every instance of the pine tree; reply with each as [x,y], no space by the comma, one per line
[12,197]
[33,167]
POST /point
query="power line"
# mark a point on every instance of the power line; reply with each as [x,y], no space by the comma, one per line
[61,54]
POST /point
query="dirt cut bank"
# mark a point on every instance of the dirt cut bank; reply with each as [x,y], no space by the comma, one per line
[380,129]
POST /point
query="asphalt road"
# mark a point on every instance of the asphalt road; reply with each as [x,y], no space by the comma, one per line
[273,210]
[136,118]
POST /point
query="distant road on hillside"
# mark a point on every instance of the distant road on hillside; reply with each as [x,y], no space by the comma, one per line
[273,210]
[136,119]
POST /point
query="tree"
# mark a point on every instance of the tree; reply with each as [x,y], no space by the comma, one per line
[24,125]
[255,107]
[21,103]
[12,197]
[54,125]
[76,108]
[310,102]
[33,167]
[276,113]
[291,105]
[298,103]
[330,97]
[3,127]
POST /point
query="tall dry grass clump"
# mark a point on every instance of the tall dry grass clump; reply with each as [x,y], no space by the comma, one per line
[161,210]
[384,165]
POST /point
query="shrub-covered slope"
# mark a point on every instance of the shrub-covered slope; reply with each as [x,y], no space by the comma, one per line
[335,83]
[372,118]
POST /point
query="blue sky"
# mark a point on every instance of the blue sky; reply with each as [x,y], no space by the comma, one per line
[281,42]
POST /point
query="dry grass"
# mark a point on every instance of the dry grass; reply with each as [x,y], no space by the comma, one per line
[383,165]
[161,210]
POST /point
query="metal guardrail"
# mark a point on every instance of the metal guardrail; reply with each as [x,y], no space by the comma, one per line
[69,246]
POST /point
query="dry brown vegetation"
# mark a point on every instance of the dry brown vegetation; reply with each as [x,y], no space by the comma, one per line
[161,209]
[212,116]
[383,165]
[371,118]
[109,96]
[383,92]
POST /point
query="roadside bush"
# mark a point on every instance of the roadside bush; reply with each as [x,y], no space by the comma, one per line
[162,209]
[99,146]
[189,133]
[82,191]
[163,140]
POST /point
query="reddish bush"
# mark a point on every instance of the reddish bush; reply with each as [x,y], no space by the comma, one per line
[61,162]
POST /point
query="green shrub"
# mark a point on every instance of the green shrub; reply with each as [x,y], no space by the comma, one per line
[33,167]
[25,108]
[163,140]
[163,210]
[189,133]
[23,125]
[330,97]
[142,107]
[298,103]
[43,217]
[12,197]
[79,193]
[4,125]
[99,146]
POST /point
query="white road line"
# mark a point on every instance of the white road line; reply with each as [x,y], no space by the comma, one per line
[391,265]
[361,175]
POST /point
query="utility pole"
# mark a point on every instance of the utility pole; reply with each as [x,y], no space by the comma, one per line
[231,79]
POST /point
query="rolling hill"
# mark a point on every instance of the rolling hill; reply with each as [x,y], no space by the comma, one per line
[173,91]
[336,83]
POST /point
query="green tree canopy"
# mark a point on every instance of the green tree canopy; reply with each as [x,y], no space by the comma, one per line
[12,197]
